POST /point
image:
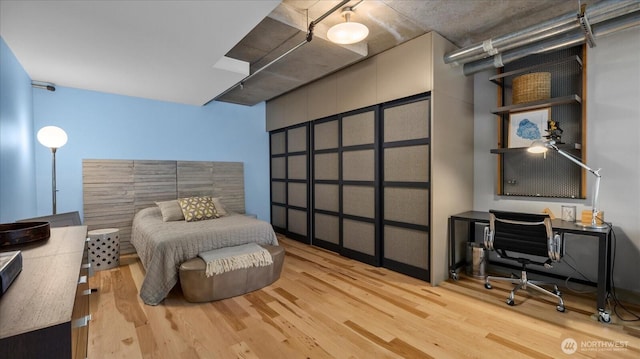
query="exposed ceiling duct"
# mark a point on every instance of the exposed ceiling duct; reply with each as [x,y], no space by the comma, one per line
[563,31]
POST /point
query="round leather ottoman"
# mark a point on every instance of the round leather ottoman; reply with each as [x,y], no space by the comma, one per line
[197,287]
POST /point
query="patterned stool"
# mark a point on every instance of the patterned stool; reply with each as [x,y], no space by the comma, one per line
[104,248]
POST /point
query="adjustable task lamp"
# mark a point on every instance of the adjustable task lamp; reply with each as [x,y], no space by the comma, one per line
[539,146]
[52,137]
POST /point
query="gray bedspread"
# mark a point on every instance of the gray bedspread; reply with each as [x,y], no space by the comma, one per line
[163,246]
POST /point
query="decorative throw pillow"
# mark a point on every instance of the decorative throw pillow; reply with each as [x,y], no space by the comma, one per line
[171,211]
[219,207]
[198,208]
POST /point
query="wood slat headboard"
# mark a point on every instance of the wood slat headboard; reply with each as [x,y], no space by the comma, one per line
[115,190]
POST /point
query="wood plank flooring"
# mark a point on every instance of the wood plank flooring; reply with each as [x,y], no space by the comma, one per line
[327,306]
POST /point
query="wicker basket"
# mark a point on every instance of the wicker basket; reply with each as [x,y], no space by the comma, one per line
[531,87]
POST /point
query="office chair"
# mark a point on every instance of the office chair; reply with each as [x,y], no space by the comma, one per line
[529,234]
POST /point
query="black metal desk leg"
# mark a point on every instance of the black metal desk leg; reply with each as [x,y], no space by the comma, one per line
[604,272]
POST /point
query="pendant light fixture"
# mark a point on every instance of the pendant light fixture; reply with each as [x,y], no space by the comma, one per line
[347,32]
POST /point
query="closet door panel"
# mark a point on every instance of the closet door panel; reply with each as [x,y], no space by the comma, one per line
[327,197]
[279,168]
[406,122]
[407,246]
[327,228]
[359,236]
[297,139]
[297,222]
[326,184]
[279,216]
[327,166]
[406,186]
[359,201]
[408,205]
[279,192]
[297,194]
[278,146]
[406,164]
[297,167]
[325,135]
[358,165]
[358,129]
[290,181]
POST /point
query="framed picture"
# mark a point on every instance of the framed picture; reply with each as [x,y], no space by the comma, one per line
[526,127]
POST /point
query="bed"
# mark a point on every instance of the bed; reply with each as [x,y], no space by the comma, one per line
[163,245]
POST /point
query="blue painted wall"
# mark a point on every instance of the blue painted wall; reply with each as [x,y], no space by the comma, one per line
[17,170]
[107,126]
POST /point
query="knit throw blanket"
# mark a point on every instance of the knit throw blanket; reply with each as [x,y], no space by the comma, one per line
[231,258]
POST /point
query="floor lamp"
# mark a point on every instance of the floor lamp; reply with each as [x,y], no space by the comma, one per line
[52,137]
[539,146]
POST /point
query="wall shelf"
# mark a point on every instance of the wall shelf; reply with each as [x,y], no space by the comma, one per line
[565,147]
[499,78]
[519,172]
[538,104]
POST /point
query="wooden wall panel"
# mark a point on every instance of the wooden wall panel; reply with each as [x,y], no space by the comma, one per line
[228,184]
[114,190]
[321,97]
[194,178]
[153,181]
[356,86]
[109,197]
[405,70]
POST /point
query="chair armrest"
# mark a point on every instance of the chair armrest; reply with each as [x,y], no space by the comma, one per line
[488,238]
[555,247]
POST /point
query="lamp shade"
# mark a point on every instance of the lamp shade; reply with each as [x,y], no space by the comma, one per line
[52,137]
[537,146]
[347,33]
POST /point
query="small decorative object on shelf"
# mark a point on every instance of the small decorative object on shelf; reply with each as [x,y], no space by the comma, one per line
[555,132]
[569,213]
[530,87]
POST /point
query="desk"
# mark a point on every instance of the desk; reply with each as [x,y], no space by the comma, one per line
[560,226]
[44,312]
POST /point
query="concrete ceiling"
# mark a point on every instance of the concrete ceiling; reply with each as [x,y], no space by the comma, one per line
[166,50]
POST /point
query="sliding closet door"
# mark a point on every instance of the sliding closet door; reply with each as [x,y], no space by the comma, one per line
[406,186]
[360,237]
[278,140]
[290,182]
[345,185]
[326,184]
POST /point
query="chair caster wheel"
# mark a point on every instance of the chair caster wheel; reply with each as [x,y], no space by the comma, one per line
[560,309]
[604,317]
[510,302]
[488,286]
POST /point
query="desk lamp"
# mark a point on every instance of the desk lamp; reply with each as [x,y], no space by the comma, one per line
[54,138]
[539,146]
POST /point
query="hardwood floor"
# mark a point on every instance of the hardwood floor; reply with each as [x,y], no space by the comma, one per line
[327,306]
